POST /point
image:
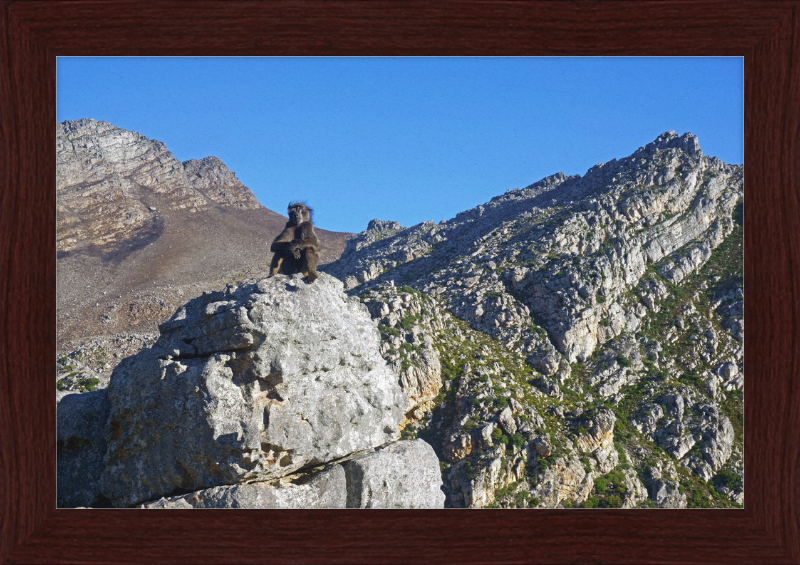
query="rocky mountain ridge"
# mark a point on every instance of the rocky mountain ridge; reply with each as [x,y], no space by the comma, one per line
[111,183]
[609,225]
[610,303]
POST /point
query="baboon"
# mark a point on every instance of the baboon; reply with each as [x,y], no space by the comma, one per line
[296,249]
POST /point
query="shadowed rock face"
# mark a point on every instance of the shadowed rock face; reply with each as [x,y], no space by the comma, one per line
[404,474]
[252,383]
[81,447]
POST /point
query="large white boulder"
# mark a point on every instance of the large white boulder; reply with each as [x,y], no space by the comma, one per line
[249,384]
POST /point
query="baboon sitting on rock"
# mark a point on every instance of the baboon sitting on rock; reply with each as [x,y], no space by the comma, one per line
[296,249]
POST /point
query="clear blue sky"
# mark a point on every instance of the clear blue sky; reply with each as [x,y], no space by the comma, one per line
[406,139]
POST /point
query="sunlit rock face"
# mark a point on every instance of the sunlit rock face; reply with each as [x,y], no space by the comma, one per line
[252,383]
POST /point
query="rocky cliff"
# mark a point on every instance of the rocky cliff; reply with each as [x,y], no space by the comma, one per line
[269,394]
[599,361]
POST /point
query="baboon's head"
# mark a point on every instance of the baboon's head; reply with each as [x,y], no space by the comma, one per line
[299,213]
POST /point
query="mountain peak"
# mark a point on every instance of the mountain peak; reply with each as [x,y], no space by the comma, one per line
[687,142]
[112,184]
[217,182]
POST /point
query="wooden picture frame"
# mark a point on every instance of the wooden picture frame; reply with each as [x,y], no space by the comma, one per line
[765,33]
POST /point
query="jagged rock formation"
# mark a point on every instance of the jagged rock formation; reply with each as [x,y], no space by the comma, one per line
[407,320]
[258,382]
[403,474]
[621,290]
[263,381]
[565,249]
[326,489]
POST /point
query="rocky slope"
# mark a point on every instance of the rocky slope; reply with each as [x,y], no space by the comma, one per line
[138,234]
[269,394]
[589,333]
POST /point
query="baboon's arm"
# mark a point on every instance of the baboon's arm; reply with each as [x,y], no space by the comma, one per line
[295,239]
[307,239]
[284,241]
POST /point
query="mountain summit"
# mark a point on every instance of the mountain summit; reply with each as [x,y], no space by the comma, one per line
[564,251]
[112,182]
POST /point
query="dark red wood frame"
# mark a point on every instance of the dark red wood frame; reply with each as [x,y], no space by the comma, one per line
[765,33]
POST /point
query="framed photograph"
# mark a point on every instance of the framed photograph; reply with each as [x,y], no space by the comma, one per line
[766,530]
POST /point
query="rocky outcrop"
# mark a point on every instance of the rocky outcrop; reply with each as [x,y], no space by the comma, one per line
[408,322]
[326,489]
[635,491]
[250,398]
[477,482]
[253,383]
[663,489]
[211,177]
[403,474]
[565,480]
[600,440]
[730,306]
[715,436]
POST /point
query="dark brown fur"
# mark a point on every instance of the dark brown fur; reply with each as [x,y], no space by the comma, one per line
[296,249]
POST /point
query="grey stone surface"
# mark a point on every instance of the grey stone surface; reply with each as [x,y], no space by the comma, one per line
[249,384]
[543,446]
[410,352]
[81,445]
[666,494]
[506,420]
[326,489]
[635,491]
[564,481]
[600,440]
[404,474]
[476,488]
